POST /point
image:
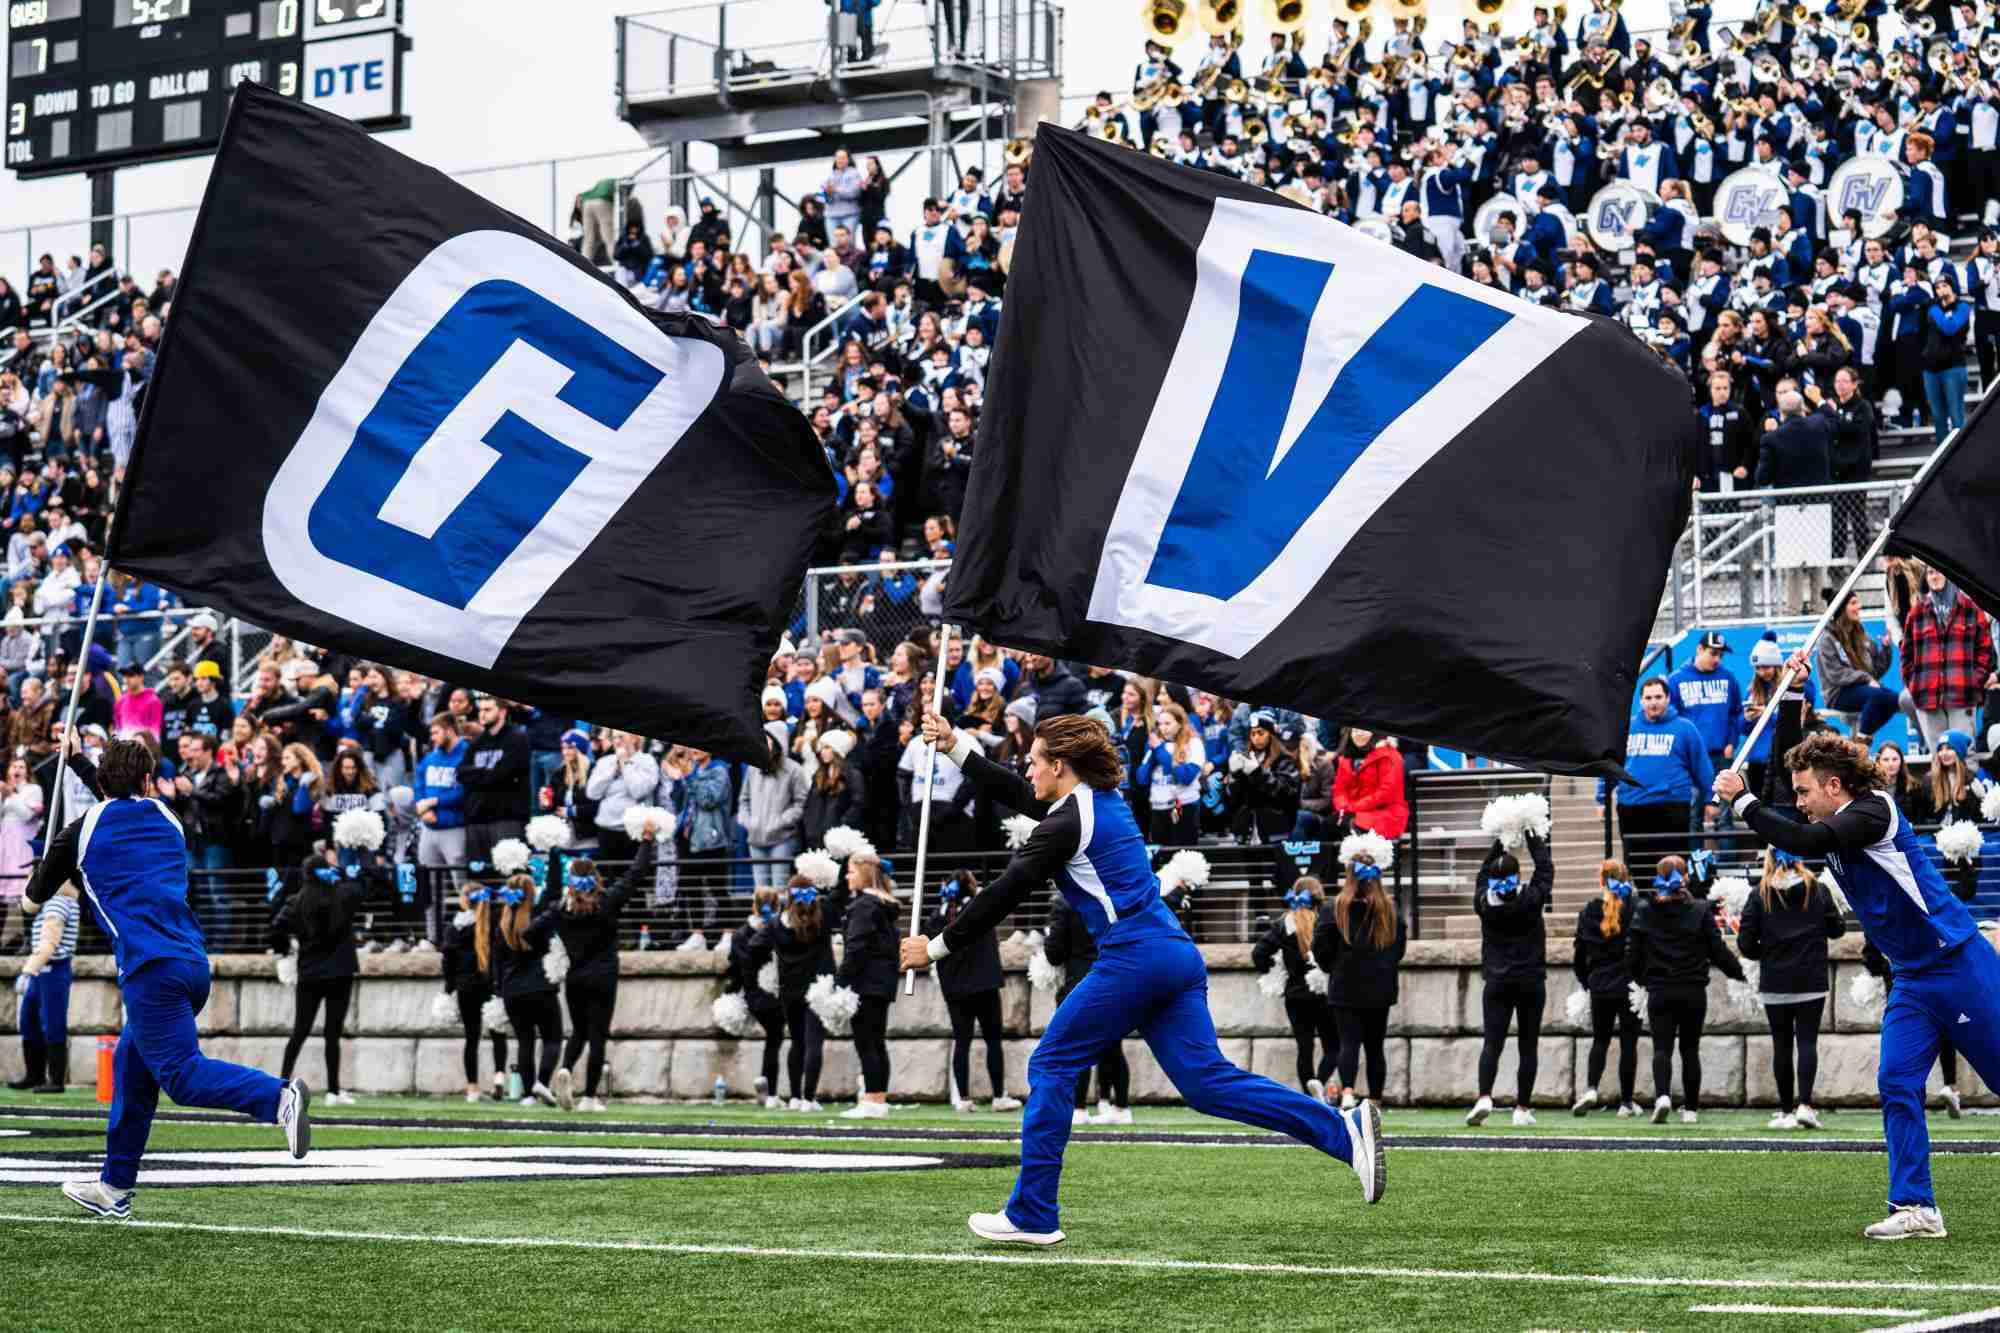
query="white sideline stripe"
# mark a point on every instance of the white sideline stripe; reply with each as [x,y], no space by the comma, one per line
[1966,1320]
[1890,1310]
[1035,1261]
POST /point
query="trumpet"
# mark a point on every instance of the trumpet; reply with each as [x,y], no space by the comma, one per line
[1892,65]
[1703,127]
[1805,57]
[1272,89]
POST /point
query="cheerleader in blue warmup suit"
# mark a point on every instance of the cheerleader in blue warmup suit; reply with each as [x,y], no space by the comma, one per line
[1149,975]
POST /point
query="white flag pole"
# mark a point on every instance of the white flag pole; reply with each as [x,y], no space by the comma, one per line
[75,696]
[924,816]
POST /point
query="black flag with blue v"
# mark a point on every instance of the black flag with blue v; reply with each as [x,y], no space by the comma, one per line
[1234,444]
[392,418]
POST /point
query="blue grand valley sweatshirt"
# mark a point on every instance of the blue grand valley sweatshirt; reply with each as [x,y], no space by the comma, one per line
[1668,763]
[1712,700]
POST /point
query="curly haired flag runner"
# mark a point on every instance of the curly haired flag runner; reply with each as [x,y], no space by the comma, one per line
[1235,444]
[393,418]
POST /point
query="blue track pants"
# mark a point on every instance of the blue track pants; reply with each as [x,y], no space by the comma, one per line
[45,1008]
[1958,996]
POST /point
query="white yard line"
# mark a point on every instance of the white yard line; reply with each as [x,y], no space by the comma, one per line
[1889,1310]
[1057,1260]
[1989,1318]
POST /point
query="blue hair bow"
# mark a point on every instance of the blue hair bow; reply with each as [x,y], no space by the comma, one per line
[768,912]
[1504,885]
[1671,882]
[326,874]
[805,895]
[1780,857]
[1298,898]
[1703,859]
[479,895]
[510,896]
[1622,888]
[476,867]
[1366,871]
[949,890]
[582,883]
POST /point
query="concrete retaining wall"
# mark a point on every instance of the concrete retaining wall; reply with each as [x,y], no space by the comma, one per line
[664,1043]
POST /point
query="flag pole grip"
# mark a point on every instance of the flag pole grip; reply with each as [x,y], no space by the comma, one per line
[924,815]
[75,696]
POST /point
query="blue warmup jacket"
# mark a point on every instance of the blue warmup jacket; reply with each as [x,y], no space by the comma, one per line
[437,776]
[129,856]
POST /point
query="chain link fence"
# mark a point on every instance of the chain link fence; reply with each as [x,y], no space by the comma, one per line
[887,602]
[1755,556]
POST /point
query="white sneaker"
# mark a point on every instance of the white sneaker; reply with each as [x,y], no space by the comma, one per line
[1909,1222]
[94,1196]
[1523,1117]
[1371,1158]
[340,1099]
[692,944]
[565,1090]
[474,1098]
[1586,1103]
[1078,1117]
[1805,1117]
[1953,1107]
[1690,1118]
[1005,1103]
[1113,1115]
[996,1228]
[866,1111]
[1103,1105]
[541,1093]
[809,1106]
[1662,1108]
[1480,1110]
[529,1100]
[962,1106]
[773,1104]
[295,1117]
[1348,1101]
[1782,1120]
[1628,1112]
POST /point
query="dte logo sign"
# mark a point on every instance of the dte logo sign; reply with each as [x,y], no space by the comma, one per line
[1348,366]
[354,77]
[346,80]
[494,417]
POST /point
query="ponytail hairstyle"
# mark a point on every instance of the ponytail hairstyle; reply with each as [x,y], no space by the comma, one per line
[802,910]
[1783,866]
[1369,893]
[583,891]
[865,874]
[1616,882]
[766,904]
[480,898]
[1670,877]
[1304,901]
[517,899]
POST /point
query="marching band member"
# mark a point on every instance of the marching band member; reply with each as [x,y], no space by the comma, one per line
[1669,949]
[1589,293]
[1602,973]
[1644,162]
[1923,195]
[1443,200]
[1513,964]
[1786,924]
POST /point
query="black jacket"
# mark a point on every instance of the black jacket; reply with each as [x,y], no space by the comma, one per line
[1790,939]
[1281,945]
[1854,440]
[1674,941]
[1358,975]
[519,974]
[825,810]
[380,725]
[494,774]
[1056,694]
[1513,940]
[971,971]
[749,949]
[800,960]
[1067,943]
[868,964]
[1600,962]
[210,810]
[590,938]
[461,956]
[325,936]
[1798,453]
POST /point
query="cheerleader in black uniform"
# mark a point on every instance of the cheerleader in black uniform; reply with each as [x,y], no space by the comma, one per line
[1671,946]
[970,979]
[1290,942]
[750,948]
[320,916]
[1068,945]
[585,918]
[1786,925]
[466,983]
[1360,946]
[1513,963]
[805,953]
[511,954]
[1601,972]
[869,968]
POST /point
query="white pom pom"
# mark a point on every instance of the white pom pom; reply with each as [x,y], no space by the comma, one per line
[1017,829]
[1732,892]
[818,867]
[1959,842]
[288,970]
[493,1017]
[638,816]
[1377,849]
[555,963]
[1635,998]
[444,1010]
[1187,869]
[1272,981]
[548,832]
[732,1015]
[835,1004]
[511,856]
[1042,974]
[767,977]
[840,841]
[359,828]
[1315,979]
[1577,1008]
[1866,990]
[1989,805]
[1512,818]
[728,945]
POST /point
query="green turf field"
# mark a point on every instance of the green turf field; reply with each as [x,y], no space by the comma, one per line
[1187,1233]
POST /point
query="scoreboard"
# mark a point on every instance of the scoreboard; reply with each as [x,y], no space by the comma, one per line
[104,83]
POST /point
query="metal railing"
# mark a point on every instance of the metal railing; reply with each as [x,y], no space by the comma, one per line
[869,597]
[79,301]
[1446,845]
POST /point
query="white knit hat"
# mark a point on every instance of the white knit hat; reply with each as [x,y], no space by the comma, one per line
[841,742]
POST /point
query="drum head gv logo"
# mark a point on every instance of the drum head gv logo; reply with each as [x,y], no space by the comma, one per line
[498,411]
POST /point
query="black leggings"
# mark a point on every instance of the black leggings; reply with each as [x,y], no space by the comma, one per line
[1312,1020]
[808,1039]
[471,999]
[305,1007]
[536,1017]
[1795,1024]
[871,1042]
[1363,1027]
[983,1009]
[1609,1014]
[590,1006]
[1677,1014]
[1505,1002]
[1165,831]
[773,1023]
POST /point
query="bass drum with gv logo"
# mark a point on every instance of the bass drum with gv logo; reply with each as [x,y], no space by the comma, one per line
[1618,212]
[1871,185]
[1747,199]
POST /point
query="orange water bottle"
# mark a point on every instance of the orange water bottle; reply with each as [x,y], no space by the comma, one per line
[106,1046]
